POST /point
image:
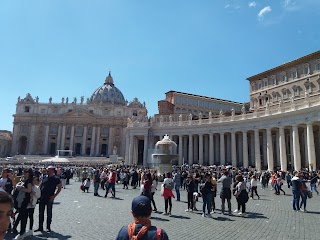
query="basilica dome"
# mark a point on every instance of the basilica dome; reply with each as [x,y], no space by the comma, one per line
[108,93]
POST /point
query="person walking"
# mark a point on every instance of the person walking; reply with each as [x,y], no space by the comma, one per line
[225,193]
[177,184]
[190,187]
[214,191]
[254,186]
[296,188]
[304,195]
[153,190]
[50,189]
[279,184]
[167,193]
[241,195]
[96,183]
[288,179]
[313,183]
[111,183]
[206,191]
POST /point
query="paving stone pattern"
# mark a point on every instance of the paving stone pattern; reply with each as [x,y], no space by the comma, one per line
[78,215]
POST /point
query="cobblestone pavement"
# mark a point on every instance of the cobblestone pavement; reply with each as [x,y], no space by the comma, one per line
[78,215]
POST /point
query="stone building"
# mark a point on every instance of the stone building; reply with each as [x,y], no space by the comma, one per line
[5,143]
[92,127]
[282,130]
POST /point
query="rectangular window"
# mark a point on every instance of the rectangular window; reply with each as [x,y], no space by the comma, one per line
[294,74]
[43,110]
[285,95]
[259,85]
[296,92]
[26,109]
[266,83]
[284,78]
[306,70]
[318,66]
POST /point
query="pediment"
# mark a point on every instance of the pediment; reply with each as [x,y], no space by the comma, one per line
[79,113]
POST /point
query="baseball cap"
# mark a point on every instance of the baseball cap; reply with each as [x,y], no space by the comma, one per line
[141,206]
[50,167]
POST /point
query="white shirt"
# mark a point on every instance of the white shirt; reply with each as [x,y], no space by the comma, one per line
[253,183]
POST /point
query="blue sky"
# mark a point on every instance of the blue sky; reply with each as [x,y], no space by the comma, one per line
[65,48]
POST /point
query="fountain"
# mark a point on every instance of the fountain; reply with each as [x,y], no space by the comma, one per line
[164,156]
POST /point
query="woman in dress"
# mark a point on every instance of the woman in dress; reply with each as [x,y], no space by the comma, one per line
[167,193]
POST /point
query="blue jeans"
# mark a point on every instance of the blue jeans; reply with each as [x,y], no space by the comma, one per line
[96,187]
[296,199]
[304,196]
[112,186]
[177,188]
[314,186]
[207,200]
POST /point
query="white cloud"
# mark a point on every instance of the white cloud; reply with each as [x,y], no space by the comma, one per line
[252,4]
[286,3]
[263,12]
[227,6]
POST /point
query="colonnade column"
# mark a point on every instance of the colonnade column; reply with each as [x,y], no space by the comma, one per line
[296,148]
[98,141]
[145,150]
[71,138]
[110,143]
[269,150]
[185,149]
[46,140]
[180,149]
[93,137]
[245,149]
[222,151]
[190,155]
[311,149]
[201,149]
[283,154]
[257,149]
[63,137]
[84,140]
[233,149]
[211,149]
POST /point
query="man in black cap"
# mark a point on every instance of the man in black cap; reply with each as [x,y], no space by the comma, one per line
[141,228]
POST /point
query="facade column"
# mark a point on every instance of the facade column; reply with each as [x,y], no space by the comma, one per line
[206,149]
[278,149]
[311,150]
[31,140]
[245,149]
[283,154]
[296,148]
[93,137]
[98,141]
[190,155]
[233,149]
[15,140]
[63,137]
[200,149]
[46,140]
[180,149]
[257,149]
[270,150]
[305,147]
[59,138]
[222,151]
[185,150]
[71,138]
[145,150]
[196,148]
[84,140]
[211,149]
[110,147]
[131,146]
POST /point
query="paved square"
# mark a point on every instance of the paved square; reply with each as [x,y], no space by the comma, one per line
[78,215]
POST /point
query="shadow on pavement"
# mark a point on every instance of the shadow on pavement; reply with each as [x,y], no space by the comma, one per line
[223,219]
[52,235]
[313,212]
[160,219]
[254,215]
[179,217]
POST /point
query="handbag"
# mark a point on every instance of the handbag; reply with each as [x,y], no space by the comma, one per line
[310,195]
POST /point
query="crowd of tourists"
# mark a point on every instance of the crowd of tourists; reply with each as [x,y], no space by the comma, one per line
[38,185]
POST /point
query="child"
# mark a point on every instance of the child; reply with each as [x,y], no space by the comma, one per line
[86,185]
[34,196]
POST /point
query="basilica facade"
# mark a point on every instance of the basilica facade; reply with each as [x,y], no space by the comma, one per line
[92,127]
[278,128]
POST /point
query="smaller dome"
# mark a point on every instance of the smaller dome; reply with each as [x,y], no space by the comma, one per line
[108,93]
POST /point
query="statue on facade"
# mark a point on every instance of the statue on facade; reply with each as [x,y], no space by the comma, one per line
[210,115]
[267,105]
[221,113]
[144,104]
[255,107]
[232,112]
[243,109]
[280,102]
[81,99]
[88,100]
[50,100]
[67,100]
[161,118]
[180,118]
[62,100]
[37,99]
[115,150]
[190,117]
[75,100]
[200,115]
[306,94]
[19,99]
[170,118]
[292,99]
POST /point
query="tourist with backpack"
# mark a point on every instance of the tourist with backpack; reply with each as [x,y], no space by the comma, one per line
[167,193]
[141,228]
